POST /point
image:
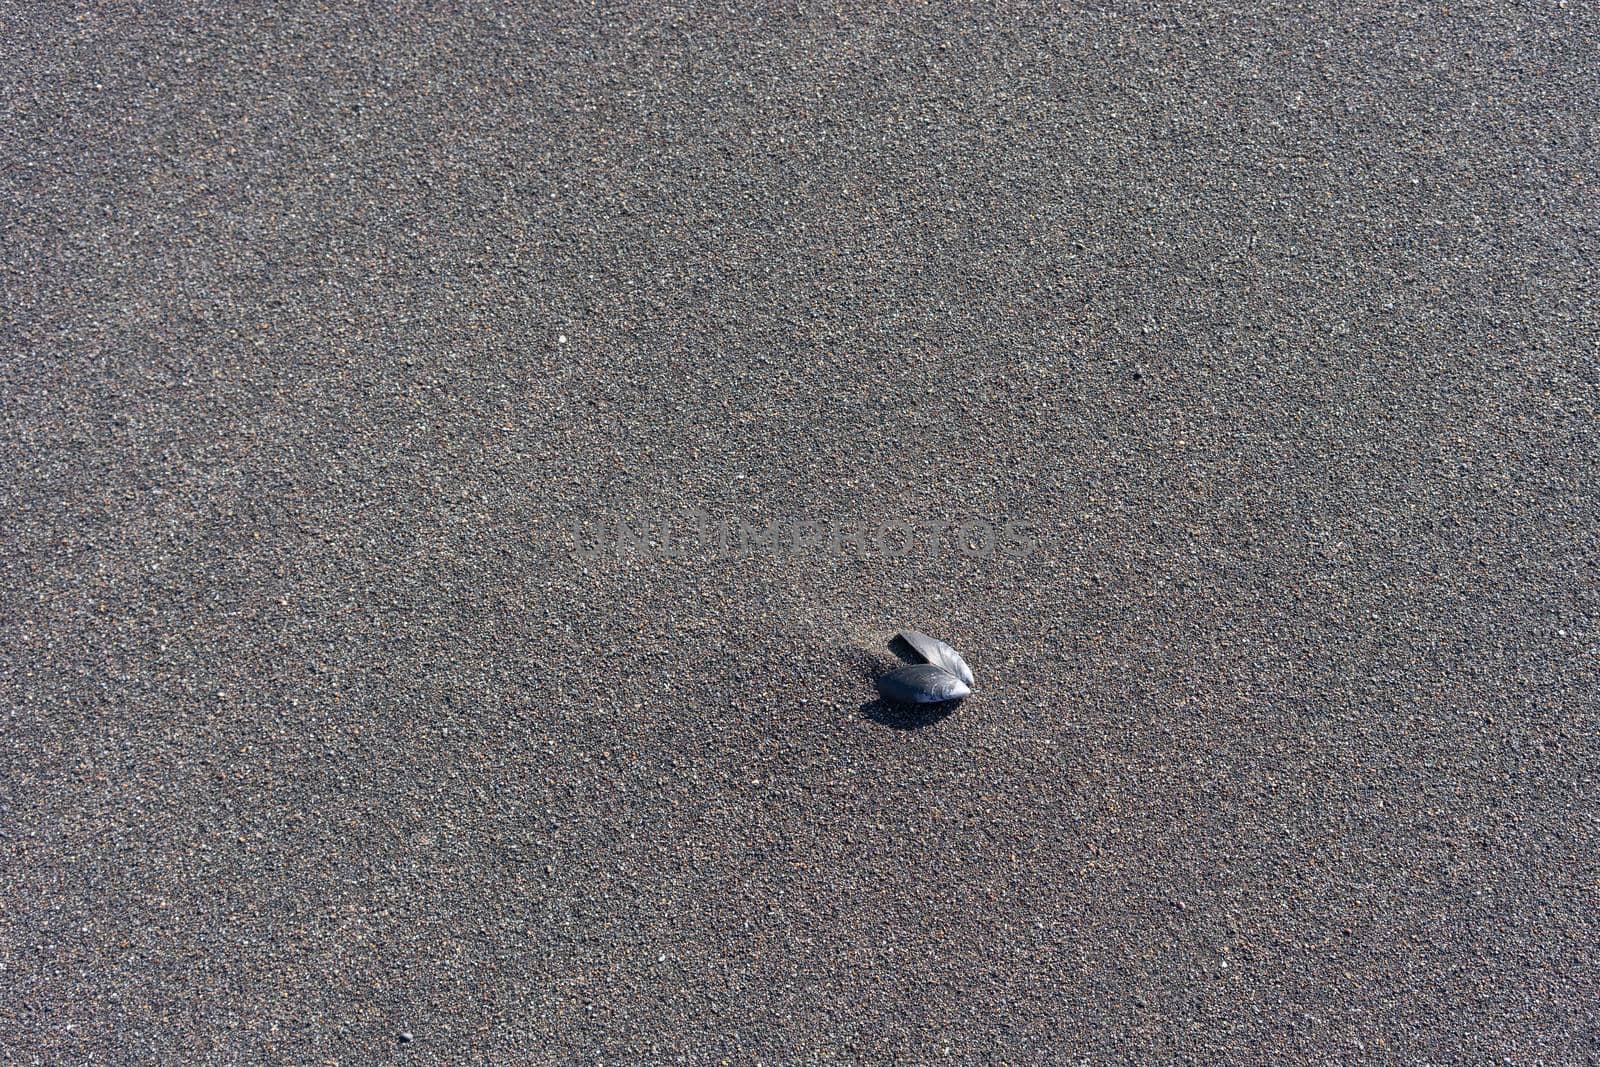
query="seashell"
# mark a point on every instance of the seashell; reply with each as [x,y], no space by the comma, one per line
[937,653]
[922,684]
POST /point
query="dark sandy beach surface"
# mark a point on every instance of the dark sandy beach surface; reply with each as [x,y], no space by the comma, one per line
[335,341]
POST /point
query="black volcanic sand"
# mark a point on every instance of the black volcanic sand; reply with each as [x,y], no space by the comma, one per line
[325,744]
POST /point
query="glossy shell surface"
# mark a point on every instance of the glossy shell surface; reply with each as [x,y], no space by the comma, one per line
[937,653]
[922,684]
